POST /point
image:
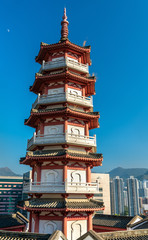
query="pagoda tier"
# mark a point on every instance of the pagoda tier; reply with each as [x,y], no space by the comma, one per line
[61,152]
[66,48]
[65,78]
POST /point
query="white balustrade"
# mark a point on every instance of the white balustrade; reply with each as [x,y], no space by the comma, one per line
[61,97]
[65,62]
[51,139]
[60,187]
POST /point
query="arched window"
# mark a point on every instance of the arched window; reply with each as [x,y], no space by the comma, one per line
[49,227]
[51,176]
[75,131]
[76,230]
[53,130]
[76,177]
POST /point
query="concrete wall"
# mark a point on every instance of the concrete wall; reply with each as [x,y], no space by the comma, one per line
[104,186]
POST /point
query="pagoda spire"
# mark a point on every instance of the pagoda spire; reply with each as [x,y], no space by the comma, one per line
[64,30]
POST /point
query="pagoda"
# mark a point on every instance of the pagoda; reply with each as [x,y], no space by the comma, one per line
[61,152]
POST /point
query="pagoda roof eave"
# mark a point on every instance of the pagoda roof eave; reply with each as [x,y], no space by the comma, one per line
[94,158]
[58,204]
[62,111]
[60,45]
[39,79]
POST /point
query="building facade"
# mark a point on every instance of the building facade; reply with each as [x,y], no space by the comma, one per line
[104,190]
[133,196]
[117,196]
[61,151]
[10,193]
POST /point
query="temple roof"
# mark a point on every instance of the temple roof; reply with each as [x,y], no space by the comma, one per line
[64,74]
[60,154]
[59,204]
[62,45]
[92,117]
[12,220]
[8,235]
[116,235]
[111,220]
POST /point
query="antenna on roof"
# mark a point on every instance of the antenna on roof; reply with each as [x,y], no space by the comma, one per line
[84,43]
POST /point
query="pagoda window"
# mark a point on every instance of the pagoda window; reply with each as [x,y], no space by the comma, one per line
[56,129]
[49,227]
[51,176]
[57,59]
[55,91]
[76,230]
[76,177]
[74,92]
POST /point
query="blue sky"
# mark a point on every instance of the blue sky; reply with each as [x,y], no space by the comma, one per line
[117,31]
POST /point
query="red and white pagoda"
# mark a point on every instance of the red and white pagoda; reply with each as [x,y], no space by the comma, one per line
[61,152]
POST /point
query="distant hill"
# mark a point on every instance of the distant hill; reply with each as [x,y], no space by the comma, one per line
[127,172]
[139,173]
[7,172]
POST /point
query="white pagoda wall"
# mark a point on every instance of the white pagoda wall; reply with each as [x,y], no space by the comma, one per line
[46,226]
[75,229]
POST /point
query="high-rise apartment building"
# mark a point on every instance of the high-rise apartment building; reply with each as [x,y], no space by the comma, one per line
[133,196]
[10,193]
[104,190]
[117,196]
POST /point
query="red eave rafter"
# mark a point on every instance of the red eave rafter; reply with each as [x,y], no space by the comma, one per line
[62,76]
[67,111]
[62,209]
[66,45]
[29,159]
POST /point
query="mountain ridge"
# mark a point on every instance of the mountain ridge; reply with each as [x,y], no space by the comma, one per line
[5,171]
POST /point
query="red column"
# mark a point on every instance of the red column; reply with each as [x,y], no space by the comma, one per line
[38,173]
[86,129]
[65,125]
[64,173]
[83,91]
[65,226]
[65,87]
[88,174]
[30,221]
[89,223]
[41,128]
[36,223]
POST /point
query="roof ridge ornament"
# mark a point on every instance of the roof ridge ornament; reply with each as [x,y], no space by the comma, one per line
[64,29]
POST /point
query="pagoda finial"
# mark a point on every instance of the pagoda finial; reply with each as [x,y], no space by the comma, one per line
[64,30]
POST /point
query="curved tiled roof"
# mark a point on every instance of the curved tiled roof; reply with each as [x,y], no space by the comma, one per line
[61,204]
[111,220]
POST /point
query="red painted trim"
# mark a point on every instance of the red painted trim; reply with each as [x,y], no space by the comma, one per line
[50,218]
[53,123]
[56,86]
[76,124]
[65,126]
[86,129]
[64,173]
[76,88]
[14,227]
[30,221]
[36,223]
[108,228]
[76,218]
[65,87]
[65,226]
[52,167]
[76,168]
[89,223]
[88,174]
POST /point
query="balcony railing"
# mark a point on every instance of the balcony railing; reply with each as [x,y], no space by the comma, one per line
[61,97]
[62,138]
[65,62]
[57,187]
